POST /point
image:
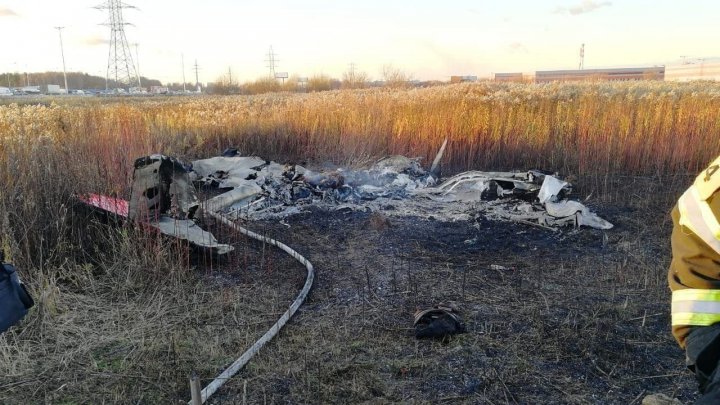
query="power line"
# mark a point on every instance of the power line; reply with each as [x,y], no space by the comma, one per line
[120,62]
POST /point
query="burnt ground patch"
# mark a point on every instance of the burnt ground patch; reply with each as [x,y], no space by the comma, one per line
[578,316]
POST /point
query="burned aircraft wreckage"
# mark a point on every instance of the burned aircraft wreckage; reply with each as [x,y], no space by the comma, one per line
[165,191]
[164,194]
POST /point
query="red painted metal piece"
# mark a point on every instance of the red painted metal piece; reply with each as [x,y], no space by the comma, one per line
[112,205]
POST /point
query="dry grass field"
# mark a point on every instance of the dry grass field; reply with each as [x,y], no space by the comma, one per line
[577,317]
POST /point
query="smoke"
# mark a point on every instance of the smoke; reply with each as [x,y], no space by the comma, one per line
[585,7]
[518,47]
[6,12]
[95,41]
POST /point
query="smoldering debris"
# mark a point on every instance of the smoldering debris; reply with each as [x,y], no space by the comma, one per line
[254,188]
[258,189]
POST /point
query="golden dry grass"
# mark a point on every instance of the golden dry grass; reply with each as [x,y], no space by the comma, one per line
[52,150]
[587,128]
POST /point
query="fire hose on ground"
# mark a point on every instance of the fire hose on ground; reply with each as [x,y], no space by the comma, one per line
[238,364]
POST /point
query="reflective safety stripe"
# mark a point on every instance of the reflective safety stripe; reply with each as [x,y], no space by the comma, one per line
[696,215]
[691,319]
[707,307]
[696,294]
[696,307]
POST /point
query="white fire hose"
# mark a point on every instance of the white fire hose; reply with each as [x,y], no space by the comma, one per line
[249,353]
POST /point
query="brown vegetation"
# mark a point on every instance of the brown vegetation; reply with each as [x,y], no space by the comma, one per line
[117,310]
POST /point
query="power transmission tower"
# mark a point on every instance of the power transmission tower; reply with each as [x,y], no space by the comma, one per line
[197,81]
[272,61]
[582,57]
[120,62]
[352,72]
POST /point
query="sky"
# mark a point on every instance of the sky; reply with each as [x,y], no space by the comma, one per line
[428,40]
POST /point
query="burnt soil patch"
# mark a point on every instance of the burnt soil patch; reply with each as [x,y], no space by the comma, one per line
[578,316]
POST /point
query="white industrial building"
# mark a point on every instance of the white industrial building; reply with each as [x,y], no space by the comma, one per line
[707,69]
[686,72]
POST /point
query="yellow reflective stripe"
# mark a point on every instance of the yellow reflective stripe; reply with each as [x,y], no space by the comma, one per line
[696,294]
[697,307]
[707,214]
[691,216]
[685,213]
[692,319]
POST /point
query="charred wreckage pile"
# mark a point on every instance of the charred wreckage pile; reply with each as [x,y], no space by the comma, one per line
[165,191]
[165,194]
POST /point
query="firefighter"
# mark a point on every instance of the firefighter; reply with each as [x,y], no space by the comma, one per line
[694,279]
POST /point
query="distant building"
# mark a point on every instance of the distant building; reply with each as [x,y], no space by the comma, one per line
[692,71]
[518,77]
[634,73]
[463,79]
[508,77]
[528,77]
[544,76]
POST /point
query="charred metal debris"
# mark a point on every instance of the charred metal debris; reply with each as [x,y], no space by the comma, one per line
[253,188]
[165,194]
[439,321]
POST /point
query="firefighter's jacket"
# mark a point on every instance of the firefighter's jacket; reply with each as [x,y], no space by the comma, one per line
[694,274]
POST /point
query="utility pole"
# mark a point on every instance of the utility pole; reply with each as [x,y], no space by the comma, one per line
[182,56]
[230,75]
[15,72]
[271,62]
[137,61]
[62,53]
[582,57]
[197,81]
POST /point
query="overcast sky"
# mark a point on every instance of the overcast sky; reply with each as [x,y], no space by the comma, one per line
[427,39]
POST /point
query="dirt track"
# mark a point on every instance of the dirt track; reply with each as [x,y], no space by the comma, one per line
[579,316]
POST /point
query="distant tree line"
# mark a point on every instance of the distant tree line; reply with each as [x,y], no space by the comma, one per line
[76,80]
[352,79]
